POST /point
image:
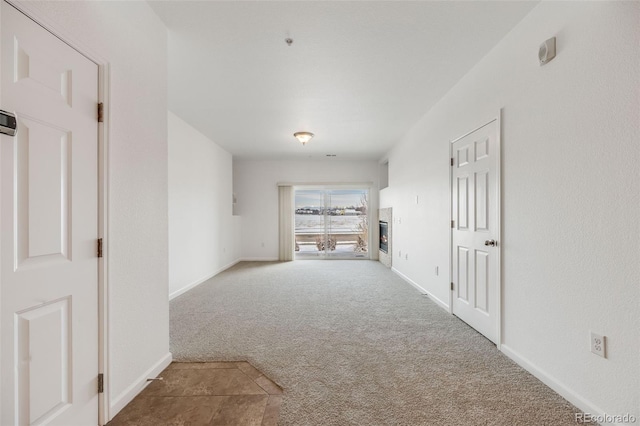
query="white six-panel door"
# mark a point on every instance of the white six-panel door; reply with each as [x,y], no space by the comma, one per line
[48,219]
[475,249]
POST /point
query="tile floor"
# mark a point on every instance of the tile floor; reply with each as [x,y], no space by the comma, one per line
[205,393]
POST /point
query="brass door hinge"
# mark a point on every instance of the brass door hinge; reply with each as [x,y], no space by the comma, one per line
[452,286]
[453,224]
[99,247]
[100,112]
[100,383]
[451,161]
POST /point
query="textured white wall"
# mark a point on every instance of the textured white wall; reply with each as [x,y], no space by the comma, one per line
[134,41]
[204,237]
[255,185]
[571,195]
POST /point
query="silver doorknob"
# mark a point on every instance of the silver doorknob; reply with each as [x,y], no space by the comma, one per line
[491,243]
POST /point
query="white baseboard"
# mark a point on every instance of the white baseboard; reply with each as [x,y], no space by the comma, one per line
[121,401]
[259,259]
[438,302]
[560,388]
[201,280]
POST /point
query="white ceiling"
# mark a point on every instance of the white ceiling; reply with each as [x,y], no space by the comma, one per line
[358,74]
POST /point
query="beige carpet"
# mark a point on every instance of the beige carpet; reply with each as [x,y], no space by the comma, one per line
[352,344]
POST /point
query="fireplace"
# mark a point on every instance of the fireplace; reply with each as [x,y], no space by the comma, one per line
[384,236]
[385,243]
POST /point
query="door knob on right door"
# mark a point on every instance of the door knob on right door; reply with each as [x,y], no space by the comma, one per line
[491,243]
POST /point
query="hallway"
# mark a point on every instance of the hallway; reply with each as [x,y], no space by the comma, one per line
[351,343]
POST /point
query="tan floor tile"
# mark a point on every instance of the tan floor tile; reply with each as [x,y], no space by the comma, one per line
[215,381]
[272,412]
[200,365]
[212,393]
[153,411]
[270,387]
[249,370]
[242,410]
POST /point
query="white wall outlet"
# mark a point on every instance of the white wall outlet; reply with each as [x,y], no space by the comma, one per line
[598,344]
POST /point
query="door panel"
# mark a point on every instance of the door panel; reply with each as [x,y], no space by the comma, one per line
[43,338]
[43,177]
[482,201]
[463,202]
[481,280]
[474,198]
[49,224]
[463,274]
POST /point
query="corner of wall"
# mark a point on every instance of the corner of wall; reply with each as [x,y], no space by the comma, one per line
[126,396]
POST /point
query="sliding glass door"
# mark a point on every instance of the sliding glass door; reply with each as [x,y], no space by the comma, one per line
[331,223]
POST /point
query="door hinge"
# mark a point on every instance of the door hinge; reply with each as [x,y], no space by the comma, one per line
[451,161]
[100,112]
[99,247]
[100,383]
[453,224]
[452,286]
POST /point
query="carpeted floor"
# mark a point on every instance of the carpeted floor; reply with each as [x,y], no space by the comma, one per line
[352,344]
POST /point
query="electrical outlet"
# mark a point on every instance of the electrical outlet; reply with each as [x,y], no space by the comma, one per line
[598,344]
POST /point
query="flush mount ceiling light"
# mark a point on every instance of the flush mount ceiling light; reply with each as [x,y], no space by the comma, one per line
[303,137]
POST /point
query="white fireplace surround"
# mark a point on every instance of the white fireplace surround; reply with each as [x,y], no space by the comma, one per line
[385,215]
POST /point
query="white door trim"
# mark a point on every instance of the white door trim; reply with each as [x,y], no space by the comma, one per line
[498,300]
[103,191]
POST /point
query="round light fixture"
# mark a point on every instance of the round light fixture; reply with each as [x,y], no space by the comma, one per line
[303,137]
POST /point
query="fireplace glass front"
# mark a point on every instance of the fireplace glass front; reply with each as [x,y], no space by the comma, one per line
[384,237]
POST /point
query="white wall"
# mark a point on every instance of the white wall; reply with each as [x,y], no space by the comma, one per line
[134,42]
[571,188]
[255,185]
[204,237]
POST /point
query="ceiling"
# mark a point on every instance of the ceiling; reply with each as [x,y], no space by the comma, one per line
[358,74]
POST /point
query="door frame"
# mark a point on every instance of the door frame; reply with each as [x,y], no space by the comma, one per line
[498,298]
[103,191]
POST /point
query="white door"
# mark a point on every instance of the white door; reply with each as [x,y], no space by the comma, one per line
[49,216]
[475,229]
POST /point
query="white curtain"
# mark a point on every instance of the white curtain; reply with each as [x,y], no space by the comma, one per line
[285,198]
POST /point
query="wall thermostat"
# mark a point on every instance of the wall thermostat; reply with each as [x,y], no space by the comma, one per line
[8,123]
[547,51]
